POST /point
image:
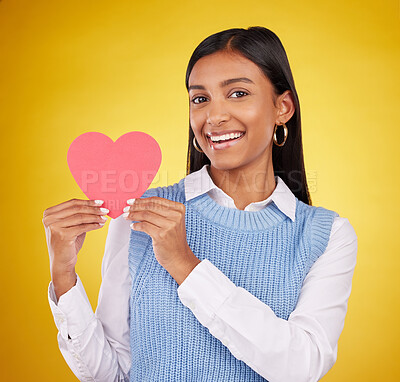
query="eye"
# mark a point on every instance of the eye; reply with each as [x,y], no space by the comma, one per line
[195,98]
[239,91]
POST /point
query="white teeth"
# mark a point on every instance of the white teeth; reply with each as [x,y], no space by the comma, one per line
[225,137]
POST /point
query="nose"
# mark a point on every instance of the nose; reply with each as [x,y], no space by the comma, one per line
[217,114]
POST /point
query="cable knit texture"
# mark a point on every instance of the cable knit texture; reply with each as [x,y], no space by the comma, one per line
[264,252]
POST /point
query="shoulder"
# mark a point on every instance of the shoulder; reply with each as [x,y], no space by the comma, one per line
[342,238]
[340,256]
[175,192]
[317,218]
[320,216]
[343,233]
[320,223]
[314,212]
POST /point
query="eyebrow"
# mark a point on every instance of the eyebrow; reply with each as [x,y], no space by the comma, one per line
[224,83]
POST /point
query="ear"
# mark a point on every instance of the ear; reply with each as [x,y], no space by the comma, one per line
[286,107]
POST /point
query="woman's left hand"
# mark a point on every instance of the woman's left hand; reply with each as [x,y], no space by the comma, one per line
[164,221]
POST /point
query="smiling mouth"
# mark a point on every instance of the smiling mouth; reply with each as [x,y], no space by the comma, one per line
[224,140]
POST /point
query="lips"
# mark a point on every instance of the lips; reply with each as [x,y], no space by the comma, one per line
[219,133]
[228,139]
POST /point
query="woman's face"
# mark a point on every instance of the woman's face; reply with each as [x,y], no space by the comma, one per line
[232,113]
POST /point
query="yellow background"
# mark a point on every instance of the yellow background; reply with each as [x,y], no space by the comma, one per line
[68,67]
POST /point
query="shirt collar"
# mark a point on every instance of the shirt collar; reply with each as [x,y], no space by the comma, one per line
[200,182]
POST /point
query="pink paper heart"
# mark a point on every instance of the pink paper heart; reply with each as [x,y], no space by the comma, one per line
[114,171]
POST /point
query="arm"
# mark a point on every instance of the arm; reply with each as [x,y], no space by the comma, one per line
[96,345]
[304,347]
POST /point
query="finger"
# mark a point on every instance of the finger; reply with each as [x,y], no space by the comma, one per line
[88,207]
[75,231]
[136,214]
[68,204]
[146,227]
[150,217]
[78,219]
[159,205]
[156,201]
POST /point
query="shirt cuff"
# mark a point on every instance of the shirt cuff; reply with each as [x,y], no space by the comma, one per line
[73,312]
[205,290]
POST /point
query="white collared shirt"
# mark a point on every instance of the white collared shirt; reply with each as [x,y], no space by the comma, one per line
[303,348]
[200,182]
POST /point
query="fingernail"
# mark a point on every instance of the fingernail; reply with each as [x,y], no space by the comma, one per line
[126,209]
[105,210]
[101,224]
[104,217]
[131,226]
[130,201]
[99,202]
[125,214]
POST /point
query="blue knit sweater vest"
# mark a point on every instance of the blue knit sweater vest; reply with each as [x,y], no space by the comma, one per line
[264,252]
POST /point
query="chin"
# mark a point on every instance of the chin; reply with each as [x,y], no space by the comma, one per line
[225,164]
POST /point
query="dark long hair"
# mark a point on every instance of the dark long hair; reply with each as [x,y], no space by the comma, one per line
[263,47]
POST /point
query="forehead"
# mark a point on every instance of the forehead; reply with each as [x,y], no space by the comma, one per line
[222,65]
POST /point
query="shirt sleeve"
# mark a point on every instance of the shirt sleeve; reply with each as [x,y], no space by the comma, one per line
[96,345]
[302,348]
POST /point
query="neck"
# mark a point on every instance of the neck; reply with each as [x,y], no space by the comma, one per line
[245,185]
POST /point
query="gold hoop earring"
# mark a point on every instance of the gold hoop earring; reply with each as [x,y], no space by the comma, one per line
[285,131]
[195,145]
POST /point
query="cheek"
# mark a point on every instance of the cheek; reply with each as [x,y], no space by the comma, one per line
[195,120]
[260,120]
[255,121]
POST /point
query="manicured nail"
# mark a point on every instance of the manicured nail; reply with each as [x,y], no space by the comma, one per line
[105,210]
[131,226]
[126,214]
[104,217]
[102,224]
[126,209]
[99,202]
[130,201]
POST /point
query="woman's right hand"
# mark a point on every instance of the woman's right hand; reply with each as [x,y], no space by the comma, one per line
[65,225]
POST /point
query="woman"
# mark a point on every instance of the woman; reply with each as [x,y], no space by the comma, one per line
[229,274]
